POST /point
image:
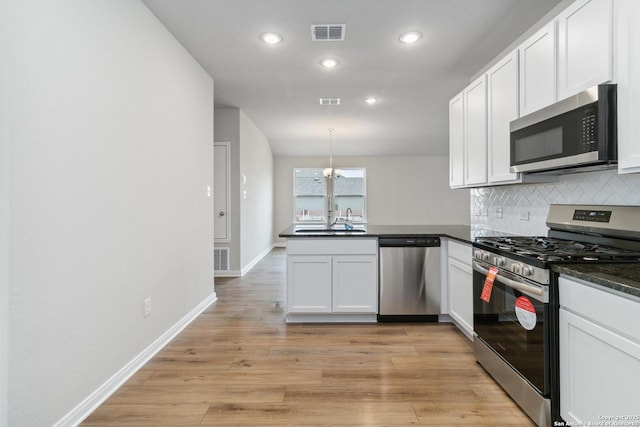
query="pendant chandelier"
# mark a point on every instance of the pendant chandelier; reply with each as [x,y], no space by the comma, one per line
[330,172]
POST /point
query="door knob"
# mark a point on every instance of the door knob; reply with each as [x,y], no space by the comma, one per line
[221,213]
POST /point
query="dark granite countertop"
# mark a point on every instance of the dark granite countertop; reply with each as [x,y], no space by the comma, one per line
[621,277]
[462,233]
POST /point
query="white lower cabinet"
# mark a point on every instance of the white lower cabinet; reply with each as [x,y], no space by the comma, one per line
[355,287]
[460,278]
[332,280]
[308,277]
[599,355]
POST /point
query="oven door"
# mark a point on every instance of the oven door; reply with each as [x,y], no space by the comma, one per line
[514,323]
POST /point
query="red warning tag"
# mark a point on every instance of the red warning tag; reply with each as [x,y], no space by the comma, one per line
[488,284]
[526,313]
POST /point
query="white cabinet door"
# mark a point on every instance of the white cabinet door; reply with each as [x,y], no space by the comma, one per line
[502,105]
[308,284]
[599,352]
[599,372]
[456,141]
[461,295]
[355,288]
[628,61]
[475,129]
[538,70]
[585,46]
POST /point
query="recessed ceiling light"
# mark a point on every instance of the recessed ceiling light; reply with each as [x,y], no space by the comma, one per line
[410,37]
[329,62]
[271,38]
[371,100]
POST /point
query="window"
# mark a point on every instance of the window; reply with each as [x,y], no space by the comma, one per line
[311,191]
[309,195]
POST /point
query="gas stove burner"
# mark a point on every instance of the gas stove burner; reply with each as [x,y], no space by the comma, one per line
[550,258]
[553,249]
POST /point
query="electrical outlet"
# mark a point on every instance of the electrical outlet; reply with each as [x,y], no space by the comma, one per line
[147,307]
[498,212]
[524,216]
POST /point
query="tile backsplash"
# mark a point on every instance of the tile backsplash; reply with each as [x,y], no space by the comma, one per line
[522,209]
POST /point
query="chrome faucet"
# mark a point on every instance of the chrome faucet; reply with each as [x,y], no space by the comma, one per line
[349,210]
[329,211]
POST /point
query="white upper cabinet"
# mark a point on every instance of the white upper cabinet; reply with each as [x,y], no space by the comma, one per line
[538,70]
[628,65]
[502,108]
[475,129]
[585,46]
[456,141]
[571,53]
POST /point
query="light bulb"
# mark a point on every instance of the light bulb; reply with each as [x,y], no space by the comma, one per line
[410,37]
[271,38]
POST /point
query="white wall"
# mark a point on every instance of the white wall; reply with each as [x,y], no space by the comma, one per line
[400,190]
[256,206]
[251,217]
[110,129]
[592,188]
[4,224]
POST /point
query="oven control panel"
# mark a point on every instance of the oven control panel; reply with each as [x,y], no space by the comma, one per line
[506,264]
[591,215]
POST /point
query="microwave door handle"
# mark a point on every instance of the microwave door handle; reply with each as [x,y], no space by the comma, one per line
[524,287]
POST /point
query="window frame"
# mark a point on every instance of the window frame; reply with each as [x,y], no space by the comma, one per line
[328,191]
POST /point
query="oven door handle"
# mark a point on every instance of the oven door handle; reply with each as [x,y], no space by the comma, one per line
[524,287]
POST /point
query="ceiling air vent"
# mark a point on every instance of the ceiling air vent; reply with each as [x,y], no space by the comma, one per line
[329,101]
[327,33]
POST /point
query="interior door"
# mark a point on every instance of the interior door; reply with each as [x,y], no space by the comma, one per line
[221,191]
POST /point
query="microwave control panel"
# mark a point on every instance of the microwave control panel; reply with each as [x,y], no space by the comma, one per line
[588,130]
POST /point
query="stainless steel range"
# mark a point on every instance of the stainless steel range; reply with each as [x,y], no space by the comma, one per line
[515,300]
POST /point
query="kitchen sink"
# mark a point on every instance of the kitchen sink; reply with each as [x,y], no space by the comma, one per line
[330,230]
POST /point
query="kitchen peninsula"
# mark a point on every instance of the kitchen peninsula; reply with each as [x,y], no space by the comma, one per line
[332,274]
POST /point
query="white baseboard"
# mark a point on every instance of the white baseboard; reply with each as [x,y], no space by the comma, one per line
[227,273]
[102,393]
[245,270]
[256,260]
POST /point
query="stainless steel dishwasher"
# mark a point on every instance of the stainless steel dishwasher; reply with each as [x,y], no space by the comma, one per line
[409,279]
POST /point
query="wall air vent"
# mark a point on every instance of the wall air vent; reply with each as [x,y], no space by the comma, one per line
[327,33]
[221,259]
[329,101]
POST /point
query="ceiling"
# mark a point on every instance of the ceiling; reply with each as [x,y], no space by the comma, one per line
[278,86]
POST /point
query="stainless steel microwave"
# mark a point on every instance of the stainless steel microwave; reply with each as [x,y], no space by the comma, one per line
[577,132]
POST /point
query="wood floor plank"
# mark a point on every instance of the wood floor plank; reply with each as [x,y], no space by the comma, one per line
[172,414]
[239,363]
[301,413]
[440,413]
[159,394]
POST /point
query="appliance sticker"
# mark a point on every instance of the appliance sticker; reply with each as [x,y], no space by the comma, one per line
[488,284]
[526,313]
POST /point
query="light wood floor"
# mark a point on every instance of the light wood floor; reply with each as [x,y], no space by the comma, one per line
[239,364]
